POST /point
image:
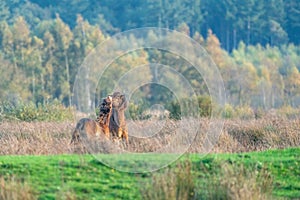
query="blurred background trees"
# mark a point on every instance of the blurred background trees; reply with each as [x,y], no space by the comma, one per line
[254,43]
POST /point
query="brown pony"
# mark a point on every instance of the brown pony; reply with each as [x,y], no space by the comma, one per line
[117,124]
[94,128]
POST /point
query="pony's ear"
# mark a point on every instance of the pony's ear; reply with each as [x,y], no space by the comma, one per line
[123,97]
[123,105]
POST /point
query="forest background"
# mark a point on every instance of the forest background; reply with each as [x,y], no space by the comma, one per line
[254,43]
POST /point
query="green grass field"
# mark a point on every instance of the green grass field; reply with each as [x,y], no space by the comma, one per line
[52,177]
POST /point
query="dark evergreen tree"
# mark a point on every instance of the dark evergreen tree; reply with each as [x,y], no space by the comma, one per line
[292,25]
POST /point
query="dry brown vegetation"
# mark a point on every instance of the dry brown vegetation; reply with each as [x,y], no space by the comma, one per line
[37,138]
[14,189]
[238,182]
[237,135]
[172,184]
[231,181]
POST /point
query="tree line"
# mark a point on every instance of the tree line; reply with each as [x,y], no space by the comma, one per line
[273,22]
[40,51]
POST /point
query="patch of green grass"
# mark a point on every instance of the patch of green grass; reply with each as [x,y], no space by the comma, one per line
[52,176]
[284,166]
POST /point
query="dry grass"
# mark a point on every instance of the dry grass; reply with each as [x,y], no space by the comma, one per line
[228,181]
[41,138]
[13,189]
[257,135]
[236,136]
[65,194]
[235,181]
[172,184]
[38,138]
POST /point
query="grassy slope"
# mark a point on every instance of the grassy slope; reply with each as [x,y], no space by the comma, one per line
[284,166]
[52,175]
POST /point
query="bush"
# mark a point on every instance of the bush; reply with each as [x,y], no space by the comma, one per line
[204,103]
[241,112]
[244,112]
[174,109]
[289,112]
[53,111]
[135,111]
[229,111]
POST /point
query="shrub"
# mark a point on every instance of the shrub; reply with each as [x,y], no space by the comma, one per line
[241,112]
[289,112]
[174,108]
[244,112]
[229,111]
[135,111]
[53,111]
[204,103]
